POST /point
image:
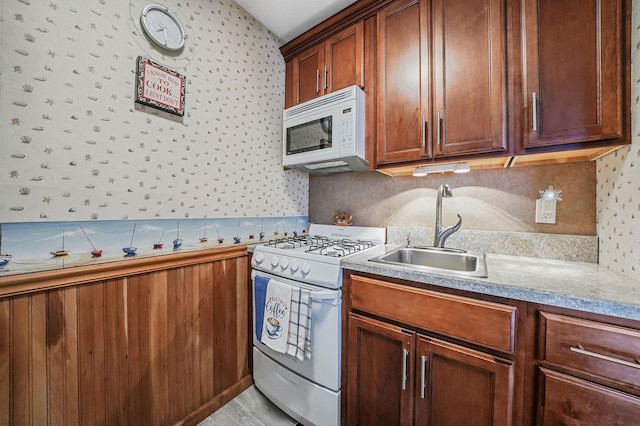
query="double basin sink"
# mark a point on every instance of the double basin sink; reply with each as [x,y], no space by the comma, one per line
[437,260]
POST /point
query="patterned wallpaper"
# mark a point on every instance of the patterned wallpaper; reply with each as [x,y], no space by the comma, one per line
[75,147]
[618,187]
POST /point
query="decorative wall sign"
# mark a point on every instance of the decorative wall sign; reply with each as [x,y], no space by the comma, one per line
[159,87]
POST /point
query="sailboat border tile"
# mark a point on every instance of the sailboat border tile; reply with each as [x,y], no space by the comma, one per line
[31,244]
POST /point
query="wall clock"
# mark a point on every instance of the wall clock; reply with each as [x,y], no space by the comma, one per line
[152,44]
[163,27]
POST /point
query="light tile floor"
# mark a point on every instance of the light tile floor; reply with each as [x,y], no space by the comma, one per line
[250,408]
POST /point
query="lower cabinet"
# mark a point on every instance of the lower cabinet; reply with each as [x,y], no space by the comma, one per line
[418,355]
[567,400]
[588,372]
[400,377]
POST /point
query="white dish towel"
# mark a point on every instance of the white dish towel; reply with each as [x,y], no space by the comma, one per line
[299,344]
[277,310]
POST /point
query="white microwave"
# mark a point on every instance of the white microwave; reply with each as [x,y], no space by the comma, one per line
[326,134]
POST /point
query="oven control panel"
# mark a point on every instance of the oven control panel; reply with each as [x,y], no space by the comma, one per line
[306,271]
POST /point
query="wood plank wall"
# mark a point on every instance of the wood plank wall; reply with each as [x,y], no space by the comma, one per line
[155,348]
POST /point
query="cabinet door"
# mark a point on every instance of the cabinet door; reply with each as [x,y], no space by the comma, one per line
[460,386]
[344,59]
[469,72]
[403,92]
[307,79]
[329,66]
[380,381]
[566,400]
[573,72]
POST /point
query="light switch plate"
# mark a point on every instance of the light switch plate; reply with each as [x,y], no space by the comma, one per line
[545,211]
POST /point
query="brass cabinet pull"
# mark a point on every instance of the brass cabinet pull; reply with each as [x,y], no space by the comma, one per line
[582,351]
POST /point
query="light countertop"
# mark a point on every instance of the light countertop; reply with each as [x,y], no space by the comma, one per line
[582,286]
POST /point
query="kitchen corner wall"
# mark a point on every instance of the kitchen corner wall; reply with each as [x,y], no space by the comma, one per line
[75,148]
[618,187]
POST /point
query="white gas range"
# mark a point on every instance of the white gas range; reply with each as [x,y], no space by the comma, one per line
[309,390]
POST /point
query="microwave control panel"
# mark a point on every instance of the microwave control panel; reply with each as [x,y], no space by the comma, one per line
[346,128]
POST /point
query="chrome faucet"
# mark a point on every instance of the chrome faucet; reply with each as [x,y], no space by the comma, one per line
[441,234]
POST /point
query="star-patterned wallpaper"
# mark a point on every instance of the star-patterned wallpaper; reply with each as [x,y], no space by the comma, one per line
[618,187]
[75,146]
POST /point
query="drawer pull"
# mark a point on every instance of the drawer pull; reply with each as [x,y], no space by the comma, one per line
[582,351]
[405,355]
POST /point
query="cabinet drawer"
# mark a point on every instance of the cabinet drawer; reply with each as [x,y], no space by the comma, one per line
[566,400]
[593,347]
[485,323]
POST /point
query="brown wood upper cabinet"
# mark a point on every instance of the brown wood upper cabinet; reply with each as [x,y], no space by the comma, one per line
[574,71]
[334,64]
[441,68]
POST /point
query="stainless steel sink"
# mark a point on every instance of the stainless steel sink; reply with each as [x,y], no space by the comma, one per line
[432,259]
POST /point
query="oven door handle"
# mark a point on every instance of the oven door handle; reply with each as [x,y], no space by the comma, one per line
[323,296]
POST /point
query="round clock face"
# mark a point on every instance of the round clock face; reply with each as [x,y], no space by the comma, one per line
[162,27]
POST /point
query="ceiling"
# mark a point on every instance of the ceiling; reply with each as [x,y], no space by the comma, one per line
[287,19]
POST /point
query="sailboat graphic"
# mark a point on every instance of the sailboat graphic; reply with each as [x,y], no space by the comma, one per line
[159,244]
[62,251]
[131,250]
[4,257]
[262,231]
[204,239]
[178,241]
[236,239]
[220,238]
[95,252]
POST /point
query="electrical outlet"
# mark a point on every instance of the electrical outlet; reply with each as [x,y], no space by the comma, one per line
[545,211]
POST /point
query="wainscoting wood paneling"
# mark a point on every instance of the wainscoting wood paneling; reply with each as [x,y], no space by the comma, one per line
[159,347]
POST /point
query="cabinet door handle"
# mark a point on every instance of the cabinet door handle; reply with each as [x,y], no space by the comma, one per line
[423,376]
[405,355]
[424,132]
[317,81]
[582,351]
[534,111]
[438,123]
[326,80]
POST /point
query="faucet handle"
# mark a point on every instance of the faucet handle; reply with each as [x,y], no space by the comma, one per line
[409,240]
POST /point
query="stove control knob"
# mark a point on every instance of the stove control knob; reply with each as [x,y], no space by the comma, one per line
[258,258]
[275,260]
[306,268]
[294,265]
[285,263]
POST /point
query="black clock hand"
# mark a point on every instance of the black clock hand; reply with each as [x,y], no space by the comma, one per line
[164,32]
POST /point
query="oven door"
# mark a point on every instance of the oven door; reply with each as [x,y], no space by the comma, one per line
[326,330]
